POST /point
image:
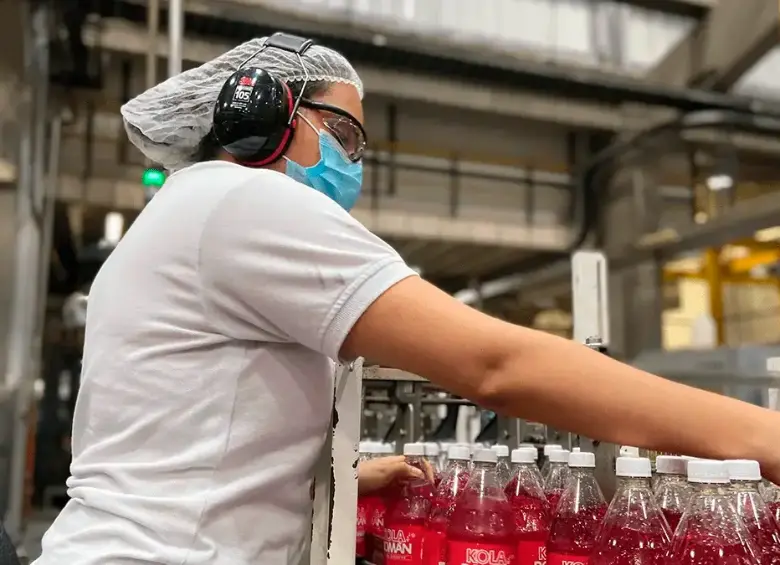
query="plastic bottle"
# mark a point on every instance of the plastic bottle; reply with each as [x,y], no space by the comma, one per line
[771,496]
[710,531]
[502,466]
[454,479]
[368,450]
[530,506]
[672,489]
[482,525]
[669,467]
[407,514]
[579,514]
[519,459]
[755,513]
[548,449]
[432,452]
[557,477]
[635,531]
[376,530]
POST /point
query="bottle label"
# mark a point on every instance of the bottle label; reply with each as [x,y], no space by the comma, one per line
[434,548]
[404,545]
[531,553]
[563,559]
[474,553]
[362,520]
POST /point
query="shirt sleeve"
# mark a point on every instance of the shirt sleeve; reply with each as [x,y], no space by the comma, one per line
[281,262]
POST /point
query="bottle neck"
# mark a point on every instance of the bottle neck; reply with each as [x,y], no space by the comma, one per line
[633,482]
[710,489]
[745,486]
[666,478]
[582,471]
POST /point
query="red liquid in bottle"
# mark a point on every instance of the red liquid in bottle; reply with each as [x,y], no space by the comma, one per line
[453,482]
[673,494]
[573,535]
[578,516]
[482,525]
[702,546]
[711,531]
[553,498]
[531,510]
[634,530]
[557,478]
[672,516]
[756,514]
[406,518]
[774,507]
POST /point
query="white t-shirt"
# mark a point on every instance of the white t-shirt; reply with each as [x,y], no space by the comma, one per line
[207,383]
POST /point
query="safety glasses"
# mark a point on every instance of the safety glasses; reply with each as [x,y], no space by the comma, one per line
[347,130]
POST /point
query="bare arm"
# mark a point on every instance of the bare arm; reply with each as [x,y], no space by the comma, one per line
[526,373]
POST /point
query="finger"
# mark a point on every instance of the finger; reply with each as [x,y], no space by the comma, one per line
[428,468]
[402,470]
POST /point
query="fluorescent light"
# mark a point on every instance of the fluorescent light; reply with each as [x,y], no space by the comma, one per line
[768,234]
[720,182]
[113,227]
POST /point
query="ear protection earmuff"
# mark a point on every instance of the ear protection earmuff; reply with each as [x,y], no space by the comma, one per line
[254,117]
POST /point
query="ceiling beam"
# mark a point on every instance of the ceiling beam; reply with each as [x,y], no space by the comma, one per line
[125,37]
[728,41]
[696,9]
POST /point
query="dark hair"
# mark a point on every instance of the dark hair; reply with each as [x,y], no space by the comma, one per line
[209,148]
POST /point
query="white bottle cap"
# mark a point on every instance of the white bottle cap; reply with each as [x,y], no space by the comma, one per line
[459,452]
[744,470]
[501,450]
[550,447]
[387,449]
[524,455]
[633,467]
[708,471]
[370,447]
[559,456]
[581,459]
[414,449]
[629,451]
[432,449]
[671,465]
[483,455]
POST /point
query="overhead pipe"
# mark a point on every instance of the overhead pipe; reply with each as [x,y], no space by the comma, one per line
[557,271]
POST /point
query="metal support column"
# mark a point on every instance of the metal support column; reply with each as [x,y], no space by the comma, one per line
[175,36]
[715,285]
[24,344]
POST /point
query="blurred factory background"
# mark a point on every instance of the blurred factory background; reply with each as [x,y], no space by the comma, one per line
[504,135]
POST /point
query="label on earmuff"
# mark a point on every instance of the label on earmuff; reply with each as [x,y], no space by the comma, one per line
[243,93]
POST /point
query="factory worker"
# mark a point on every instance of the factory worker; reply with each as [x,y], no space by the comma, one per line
[213,328]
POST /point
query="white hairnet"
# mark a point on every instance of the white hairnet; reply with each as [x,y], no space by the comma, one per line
[168,121]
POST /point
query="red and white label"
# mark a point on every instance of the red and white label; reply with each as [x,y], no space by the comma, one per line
[470,553]
[563,559]
[531,553]
[362,521]
[434,548]
[404,545]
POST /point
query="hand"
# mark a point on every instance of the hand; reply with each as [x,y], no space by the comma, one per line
[376,474]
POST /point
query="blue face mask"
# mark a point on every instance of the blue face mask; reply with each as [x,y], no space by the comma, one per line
[334,175]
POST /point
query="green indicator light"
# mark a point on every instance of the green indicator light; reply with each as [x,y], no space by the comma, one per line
[153,178]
